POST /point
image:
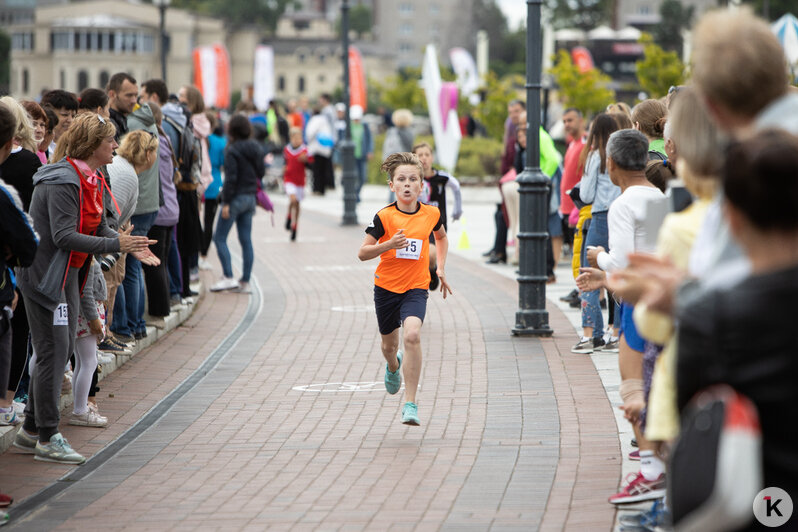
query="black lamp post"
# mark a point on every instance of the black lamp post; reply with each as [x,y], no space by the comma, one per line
[162,5]
[349,174]
[531,318]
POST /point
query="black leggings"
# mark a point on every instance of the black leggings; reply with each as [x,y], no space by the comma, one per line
[211,205]
[156,278]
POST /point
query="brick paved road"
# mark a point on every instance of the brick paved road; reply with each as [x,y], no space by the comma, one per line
[517,433]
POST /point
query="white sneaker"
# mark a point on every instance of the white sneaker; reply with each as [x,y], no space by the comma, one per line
[242,288]
[19,408]
[88,419]
[226,283]
[105,358]
[204,265]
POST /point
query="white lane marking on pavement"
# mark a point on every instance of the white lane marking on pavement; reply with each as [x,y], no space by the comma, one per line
[301,239]
[335,387]
[353,308]
[339,267]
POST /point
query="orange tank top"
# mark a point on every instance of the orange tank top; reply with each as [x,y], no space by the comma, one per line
[401,270]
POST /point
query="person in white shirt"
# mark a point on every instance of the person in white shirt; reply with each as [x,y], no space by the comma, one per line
[627,154]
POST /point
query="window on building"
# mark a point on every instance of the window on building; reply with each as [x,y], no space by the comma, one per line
[301,84]
[60,40]
[405,48]
[301,58]
[25,81]
[434,10]
[406,8]
[321,78]
[83,80]
[406,29]
[322,57]
[644,9]
[281,83]
[22,41]
[104,77]
[62,79]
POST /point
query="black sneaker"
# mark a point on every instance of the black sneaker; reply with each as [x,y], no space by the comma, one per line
[587,345]
[111,347]
[574,294]
[434,280]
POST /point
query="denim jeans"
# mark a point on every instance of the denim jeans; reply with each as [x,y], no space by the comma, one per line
[597,235]
[242,209]
[131,303]
[175,275]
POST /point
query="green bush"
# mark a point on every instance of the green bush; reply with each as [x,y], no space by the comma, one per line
[478,161]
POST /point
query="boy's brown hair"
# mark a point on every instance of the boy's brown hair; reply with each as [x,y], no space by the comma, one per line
[395,160]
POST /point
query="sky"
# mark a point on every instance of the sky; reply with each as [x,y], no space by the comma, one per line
[514,10]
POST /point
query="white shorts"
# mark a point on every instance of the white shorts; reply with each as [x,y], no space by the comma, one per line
[294,190]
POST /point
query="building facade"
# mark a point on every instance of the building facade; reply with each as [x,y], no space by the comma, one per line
[406,27]
[78,45]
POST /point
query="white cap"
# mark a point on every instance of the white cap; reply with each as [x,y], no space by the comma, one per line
[340,107]
[356,112]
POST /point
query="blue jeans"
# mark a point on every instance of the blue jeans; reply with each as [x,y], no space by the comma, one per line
[242,209]
[174,268]
[597,235]
[130,296]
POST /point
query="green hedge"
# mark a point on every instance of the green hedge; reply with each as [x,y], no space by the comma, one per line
[479,159]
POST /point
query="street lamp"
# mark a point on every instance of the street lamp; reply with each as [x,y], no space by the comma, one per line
[162,5]
[348,174]
[531,318]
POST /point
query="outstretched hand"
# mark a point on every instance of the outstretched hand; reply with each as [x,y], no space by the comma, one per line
[444,285]
[590,279]
[147,257]
[131,244]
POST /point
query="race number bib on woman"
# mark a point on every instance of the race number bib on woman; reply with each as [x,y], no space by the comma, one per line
[61,315]
[412,251]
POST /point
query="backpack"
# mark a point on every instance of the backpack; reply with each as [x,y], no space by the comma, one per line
[188,152]
[715,468]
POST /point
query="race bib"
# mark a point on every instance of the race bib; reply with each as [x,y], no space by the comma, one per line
[412,251]
[61,315]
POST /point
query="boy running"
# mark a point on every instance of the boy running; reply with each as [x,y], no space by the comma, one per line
[399,235]
[296,155]
[434,193]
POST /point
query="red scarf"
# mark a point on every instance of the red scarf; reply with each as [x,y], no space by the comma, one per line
[91,213]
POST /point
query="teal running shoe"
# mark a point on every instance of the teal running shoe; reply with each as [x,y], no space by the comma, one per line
[410,414]
[393,380]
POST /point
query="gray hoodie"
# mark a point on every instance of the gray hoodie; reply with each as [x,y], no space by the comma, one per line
[150,197]
[94,290]
[55,209]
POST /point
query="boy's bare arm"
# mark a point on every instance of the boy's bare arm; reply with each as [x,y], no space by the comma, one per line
[370,248]
[442,245]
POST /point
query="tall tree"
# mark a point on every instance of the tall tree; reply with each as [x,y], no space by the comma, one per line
[264,13]
[486,15]
[675,17]
[582,14]
[772,10]
[659,70]
[587,91]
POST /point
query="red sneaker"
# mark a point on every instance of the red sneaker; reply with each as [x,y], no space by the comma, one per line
[5,500]
[634,455]
[639,489]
